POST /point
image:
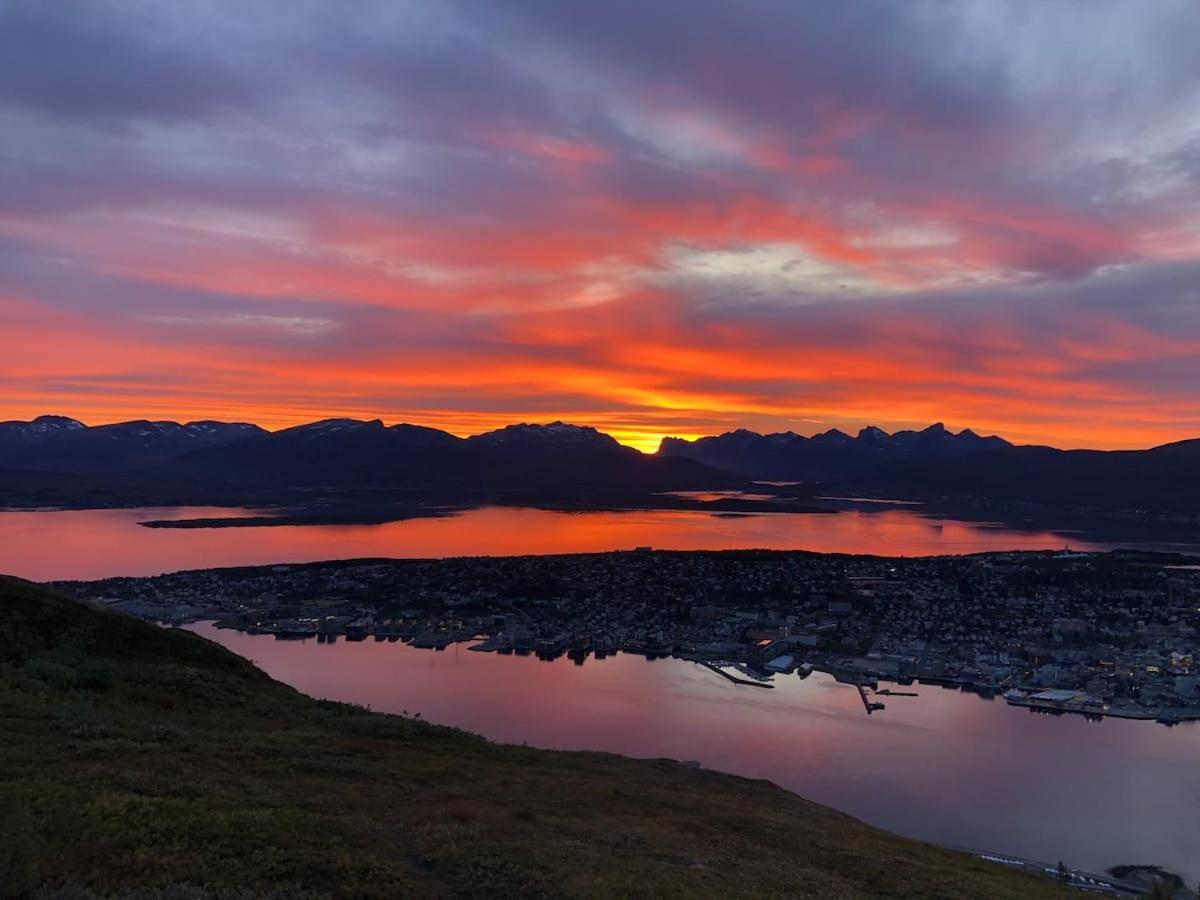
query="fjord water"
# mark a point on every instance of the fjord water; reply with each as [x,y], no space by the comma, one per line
[943,766]
[98,543]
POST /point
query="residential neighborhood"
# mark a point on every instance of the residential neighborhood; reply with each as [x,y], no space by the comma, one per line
[1091,633]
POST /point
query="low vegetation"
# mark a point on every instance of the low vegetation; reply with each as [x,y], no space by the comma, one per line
[140,762]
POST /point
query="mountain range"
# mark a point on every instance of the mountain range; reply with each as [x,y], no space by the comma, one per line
[53,459]
[830,454]
[937,464]
[56,443]
[185,461]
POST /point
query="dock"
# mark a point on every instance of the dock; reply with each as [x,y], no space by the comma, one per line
[1098,710]
[733,678]
[867,704]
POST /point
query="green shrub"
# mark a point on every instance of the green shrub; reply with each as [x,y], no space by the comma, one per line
[95,674]
[50,673]
[81,721]
[17,852]
[181,892]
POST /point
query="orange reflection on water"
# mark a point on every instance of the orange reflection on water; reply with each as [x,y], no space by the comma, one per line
[84,544]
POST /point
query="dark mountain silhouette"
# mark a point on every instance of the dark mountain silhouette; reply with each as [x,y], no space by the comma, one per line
[16,437]
[349,452]
[165,459]
[829,455]
[1162,478]
[332,452]
[57,461]
[556,436]
[939,464]
[53,443]
[558,456]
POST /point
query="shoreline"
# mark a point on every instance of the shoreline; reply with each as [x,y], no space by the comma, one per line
[840,673]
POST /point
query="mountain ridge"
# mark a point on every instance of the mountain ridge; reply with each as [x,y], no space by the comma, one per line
[54,460]
[830,435]
[58,443]
[236,462]
[940,465]
[824,455]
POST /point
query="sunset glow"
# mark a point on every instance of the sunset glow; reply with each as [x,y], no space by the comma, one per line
[465,215]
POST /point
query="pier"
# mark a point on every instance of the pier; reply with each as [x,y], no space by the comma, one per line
[867,704]
[733,678]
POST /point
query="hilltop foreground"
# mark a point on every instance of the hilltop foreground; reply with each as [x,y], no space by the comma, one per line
[143,762]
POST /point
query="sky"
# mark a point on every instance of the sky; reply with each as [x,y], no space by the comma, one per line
[651,216]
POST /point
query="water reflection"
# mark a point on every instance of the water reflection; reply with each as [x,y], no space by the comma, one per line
[99,543]
[944,766]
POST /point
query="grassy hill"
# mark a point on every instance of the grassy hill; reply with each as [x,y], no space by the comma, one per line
[140,762]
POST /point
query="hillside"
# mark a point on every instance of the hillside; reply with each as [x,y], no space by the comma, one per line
[139,758]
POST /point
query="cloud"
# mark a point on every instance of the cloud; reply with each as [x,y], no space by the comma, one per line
[763,213]
[104,60]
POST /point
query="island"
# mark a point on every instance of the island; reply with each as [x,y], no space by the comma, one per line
[1096,634]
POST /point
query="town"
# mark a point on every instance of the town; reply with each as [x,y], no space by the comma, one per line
[1099,634]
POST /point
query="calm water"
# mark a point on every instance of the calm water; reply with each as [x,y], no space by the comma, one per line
[944,766]
[86,544]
